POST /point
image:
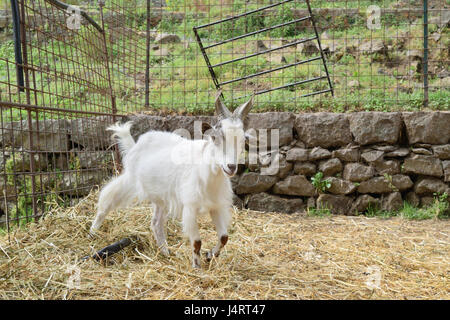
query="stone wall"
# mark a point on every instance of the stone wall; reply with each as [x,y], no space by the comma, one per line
[369,158]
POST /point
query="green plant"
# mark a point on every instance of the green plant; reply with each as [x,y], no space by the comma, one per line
[318,212]
[388,178]
[321,185]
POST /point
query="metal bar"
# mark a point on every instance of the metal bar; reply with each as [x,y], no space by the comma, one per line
[242,15]
[17,43]
[64,6]
[271,70]
[320,47]
[263,52]
[147,58]
[8,104]
[257,31]
[314,93]
[28,99]
[425,53]
[291,84]
[208,63]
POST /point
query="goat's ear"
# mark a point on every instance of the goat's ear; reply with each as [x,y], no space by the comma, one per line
[222,111]
[205,127]
[244,109]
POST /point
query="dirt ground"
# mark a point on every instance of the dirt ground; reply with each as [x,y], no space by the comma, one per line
[269,256]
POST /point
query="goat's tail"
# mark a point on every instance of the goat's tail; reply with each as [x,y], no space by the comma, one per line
[121,132]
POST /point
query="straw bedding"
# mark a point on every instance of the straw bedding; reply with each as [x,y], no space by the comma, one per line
[269,256]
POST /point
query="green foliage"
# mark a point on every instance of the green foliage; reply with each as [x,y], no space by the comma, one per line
[321,185]
[439,209]
[283,14]
[318,212]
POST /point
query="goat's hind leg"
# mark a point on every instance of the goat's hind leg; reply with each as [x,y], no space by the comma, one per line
[158,224]
[114,195]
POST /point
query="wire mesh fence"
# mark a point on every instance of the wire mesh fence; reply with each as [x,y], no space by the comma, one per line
[67,71]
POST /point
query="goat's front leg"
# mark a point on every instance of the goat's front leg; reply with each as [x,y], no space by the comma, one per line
[190,228]
[221,219]
[158,224]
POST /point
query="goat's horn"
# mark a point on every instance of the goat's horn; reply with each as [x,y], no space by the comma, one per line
[221,110]
[244,109]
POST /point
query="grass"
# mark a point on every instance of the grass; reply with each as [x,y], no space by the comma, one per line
[181,81]
[268,256]
[439,209]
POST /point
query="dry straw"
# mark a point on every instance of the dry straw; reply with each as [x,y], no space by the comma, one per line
[269,256]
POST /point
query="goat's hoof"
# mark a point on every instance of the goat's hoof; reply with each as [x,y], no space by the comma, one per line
[165,252]
[209,256]
[92,233]
[196,263]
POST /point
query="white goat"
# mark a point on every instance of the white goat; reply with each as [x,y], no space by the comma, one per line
[181,177]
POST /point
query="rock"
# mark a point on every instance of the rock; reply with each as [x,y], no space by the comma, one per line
[399,153]
[158,55]
[357,172]
[426,201]
[330,167]
[373,46]
[427,127]
[446,168]
[442,19]
[252,182]
[382,185]
[390,167]
[91,133]
[282,121]
[337,204]
[167,38]
[52,135]
[297,154]
[391,202]
[295,186]
[278,166]
[4,20]
[20,162]
[375,127]
[237,202]
[422,151]
[372,156]
[143,123]
[353,84]
[305,168]
[308,48]
[442,151]
[311,202]
[347,154]
[385,148]
[315,129]
[430,185]
[414,54]
[412,198]
[271,203]
[363,202]
[318,153]
[340,186]
[260,46]
[94,159]
[80,183]
[424,165]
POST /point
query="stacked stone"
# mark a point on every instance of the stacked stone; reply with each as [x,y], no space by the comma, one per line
[70,156]
[370,159]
